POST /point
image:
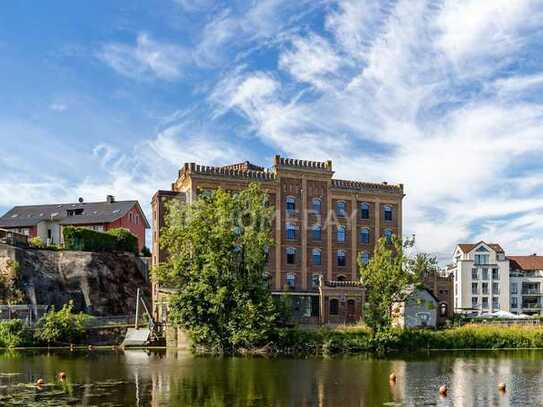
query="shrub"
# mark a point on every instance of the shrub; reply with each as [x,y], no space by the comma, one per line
[61,327]
[12,333]
[92,241]
[37,242]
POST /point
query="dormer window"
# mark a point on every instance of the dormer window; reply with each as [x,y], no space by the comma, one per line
[74,212]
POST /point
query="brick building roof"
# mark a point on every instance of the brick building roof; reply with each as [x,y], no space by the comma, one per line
[526,263]
[88,213]
[468,247]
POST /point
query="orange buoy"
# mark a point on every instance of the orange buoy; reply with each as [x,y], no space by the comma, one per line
[72,347]
[61,375]
[443,390]
[40,382]
[501,387]
[392,377]
[90,347]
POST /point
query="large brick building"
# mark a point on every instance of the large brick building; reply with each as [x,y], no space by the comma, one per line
[322,225]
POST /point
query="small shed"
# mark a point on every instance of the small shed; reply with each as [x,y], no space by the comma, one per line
[418,310]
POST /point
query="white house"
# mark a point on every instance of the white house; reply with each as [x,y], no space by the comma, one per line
[481,278]
[526,281]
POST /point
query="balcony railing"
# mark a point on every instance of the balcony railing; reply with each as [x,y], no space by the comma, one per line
[531,306]
[532,291]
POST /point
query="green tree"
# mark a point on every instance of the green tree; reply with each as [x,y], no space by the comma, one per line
[386,277]
[10,293]
[61,327]
[217,248]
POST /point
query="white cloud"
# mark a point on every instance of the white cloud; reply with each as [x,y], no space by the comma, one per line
[407,114]
[311,59]
[58,107]
[146,58]
[476,28]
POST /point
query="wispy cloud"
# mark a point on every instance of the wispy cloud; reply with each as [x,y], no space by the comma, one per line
[147,58]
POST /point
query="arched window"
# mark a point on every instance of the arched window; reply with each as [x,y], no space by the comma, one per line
[364,257]
[443,310]
[388,214]
[341,208]
[291,204]
[316,205]
[291,255]
[340,278]
[364,236]
[291,231]
[388,235]
[341,258]
[364,210]
[334,307]
[316,232]
[316,257]
[340,233]
[291,280]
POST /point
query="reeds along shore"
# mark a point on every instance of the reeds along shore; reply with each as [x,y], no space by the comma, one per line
[360,339]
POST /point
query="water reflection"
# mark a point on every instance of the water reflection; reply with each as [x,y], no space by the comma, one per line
[178,379]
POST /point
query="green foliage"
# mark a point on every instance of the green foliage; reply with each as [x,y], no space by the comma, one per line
[13,333]
[337,341]
[115,240]
[386,277]
[9,284]
[61,327]
[145,252]
[217,263]
[37,243]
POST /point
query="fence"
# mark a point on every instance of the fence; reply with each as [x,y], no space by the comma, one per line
[13,238]
[26,312]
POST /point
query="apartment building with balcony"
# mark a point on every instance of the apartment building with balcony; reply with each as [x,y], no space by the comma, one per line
[526,280]
[481,278]
[321,227]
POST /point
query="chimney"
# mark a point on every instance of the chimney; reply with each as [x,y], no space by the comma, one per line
[110,199]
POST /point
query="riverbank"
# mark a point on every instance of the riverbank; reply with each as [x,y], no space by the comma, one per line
[349,340]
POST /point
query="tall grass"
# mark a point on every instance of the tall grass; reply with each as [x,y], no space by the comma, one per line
[359,339]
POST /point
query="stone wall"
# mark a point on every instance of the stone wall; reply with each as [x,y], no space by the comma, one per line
[98,283]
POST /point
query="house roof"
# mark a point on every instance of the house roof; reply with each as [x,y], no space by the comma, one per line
[468,247]
[92,213]
[526,263]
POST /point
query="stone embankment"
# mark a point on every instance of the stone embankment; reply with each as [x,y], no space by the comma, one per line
[97,283]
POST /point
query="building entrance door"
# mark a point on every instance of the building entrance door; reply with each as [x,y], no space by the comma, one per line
[351,311]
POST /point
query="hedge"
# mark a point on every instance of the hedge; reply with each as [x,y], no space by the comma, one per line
[115,240]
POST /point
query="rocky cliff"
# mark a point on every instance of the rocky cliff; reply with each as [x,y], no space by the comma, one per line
[98,283]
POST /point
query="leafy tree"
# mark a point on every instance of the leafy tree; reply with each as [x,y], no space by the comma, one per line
[61,326]
[386,277]
[10,293]
[217,260]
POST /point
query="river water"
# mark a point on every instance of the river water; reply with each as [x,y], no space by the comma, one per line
[169,378]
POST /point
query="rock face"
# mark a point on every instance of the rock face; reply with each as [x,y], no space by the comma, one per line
[97,283]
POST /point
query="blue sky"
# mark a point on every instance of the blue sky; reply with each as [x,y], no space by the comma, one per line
[444,96]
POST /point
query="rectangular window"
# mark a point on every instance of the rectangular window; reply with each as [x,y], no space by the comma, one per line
[495,302]
[474,288]
[482,259]
[291,281]
[291,233]
[485,273]
[316,232]
[315,281]
[485,302]
[474,302]
[341,258]
[514,288]
[485,288]
[495,274]
[514,302]
[316,257]
[495,288]
[474,274]
[291,256]
[315,306]
[341,208]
